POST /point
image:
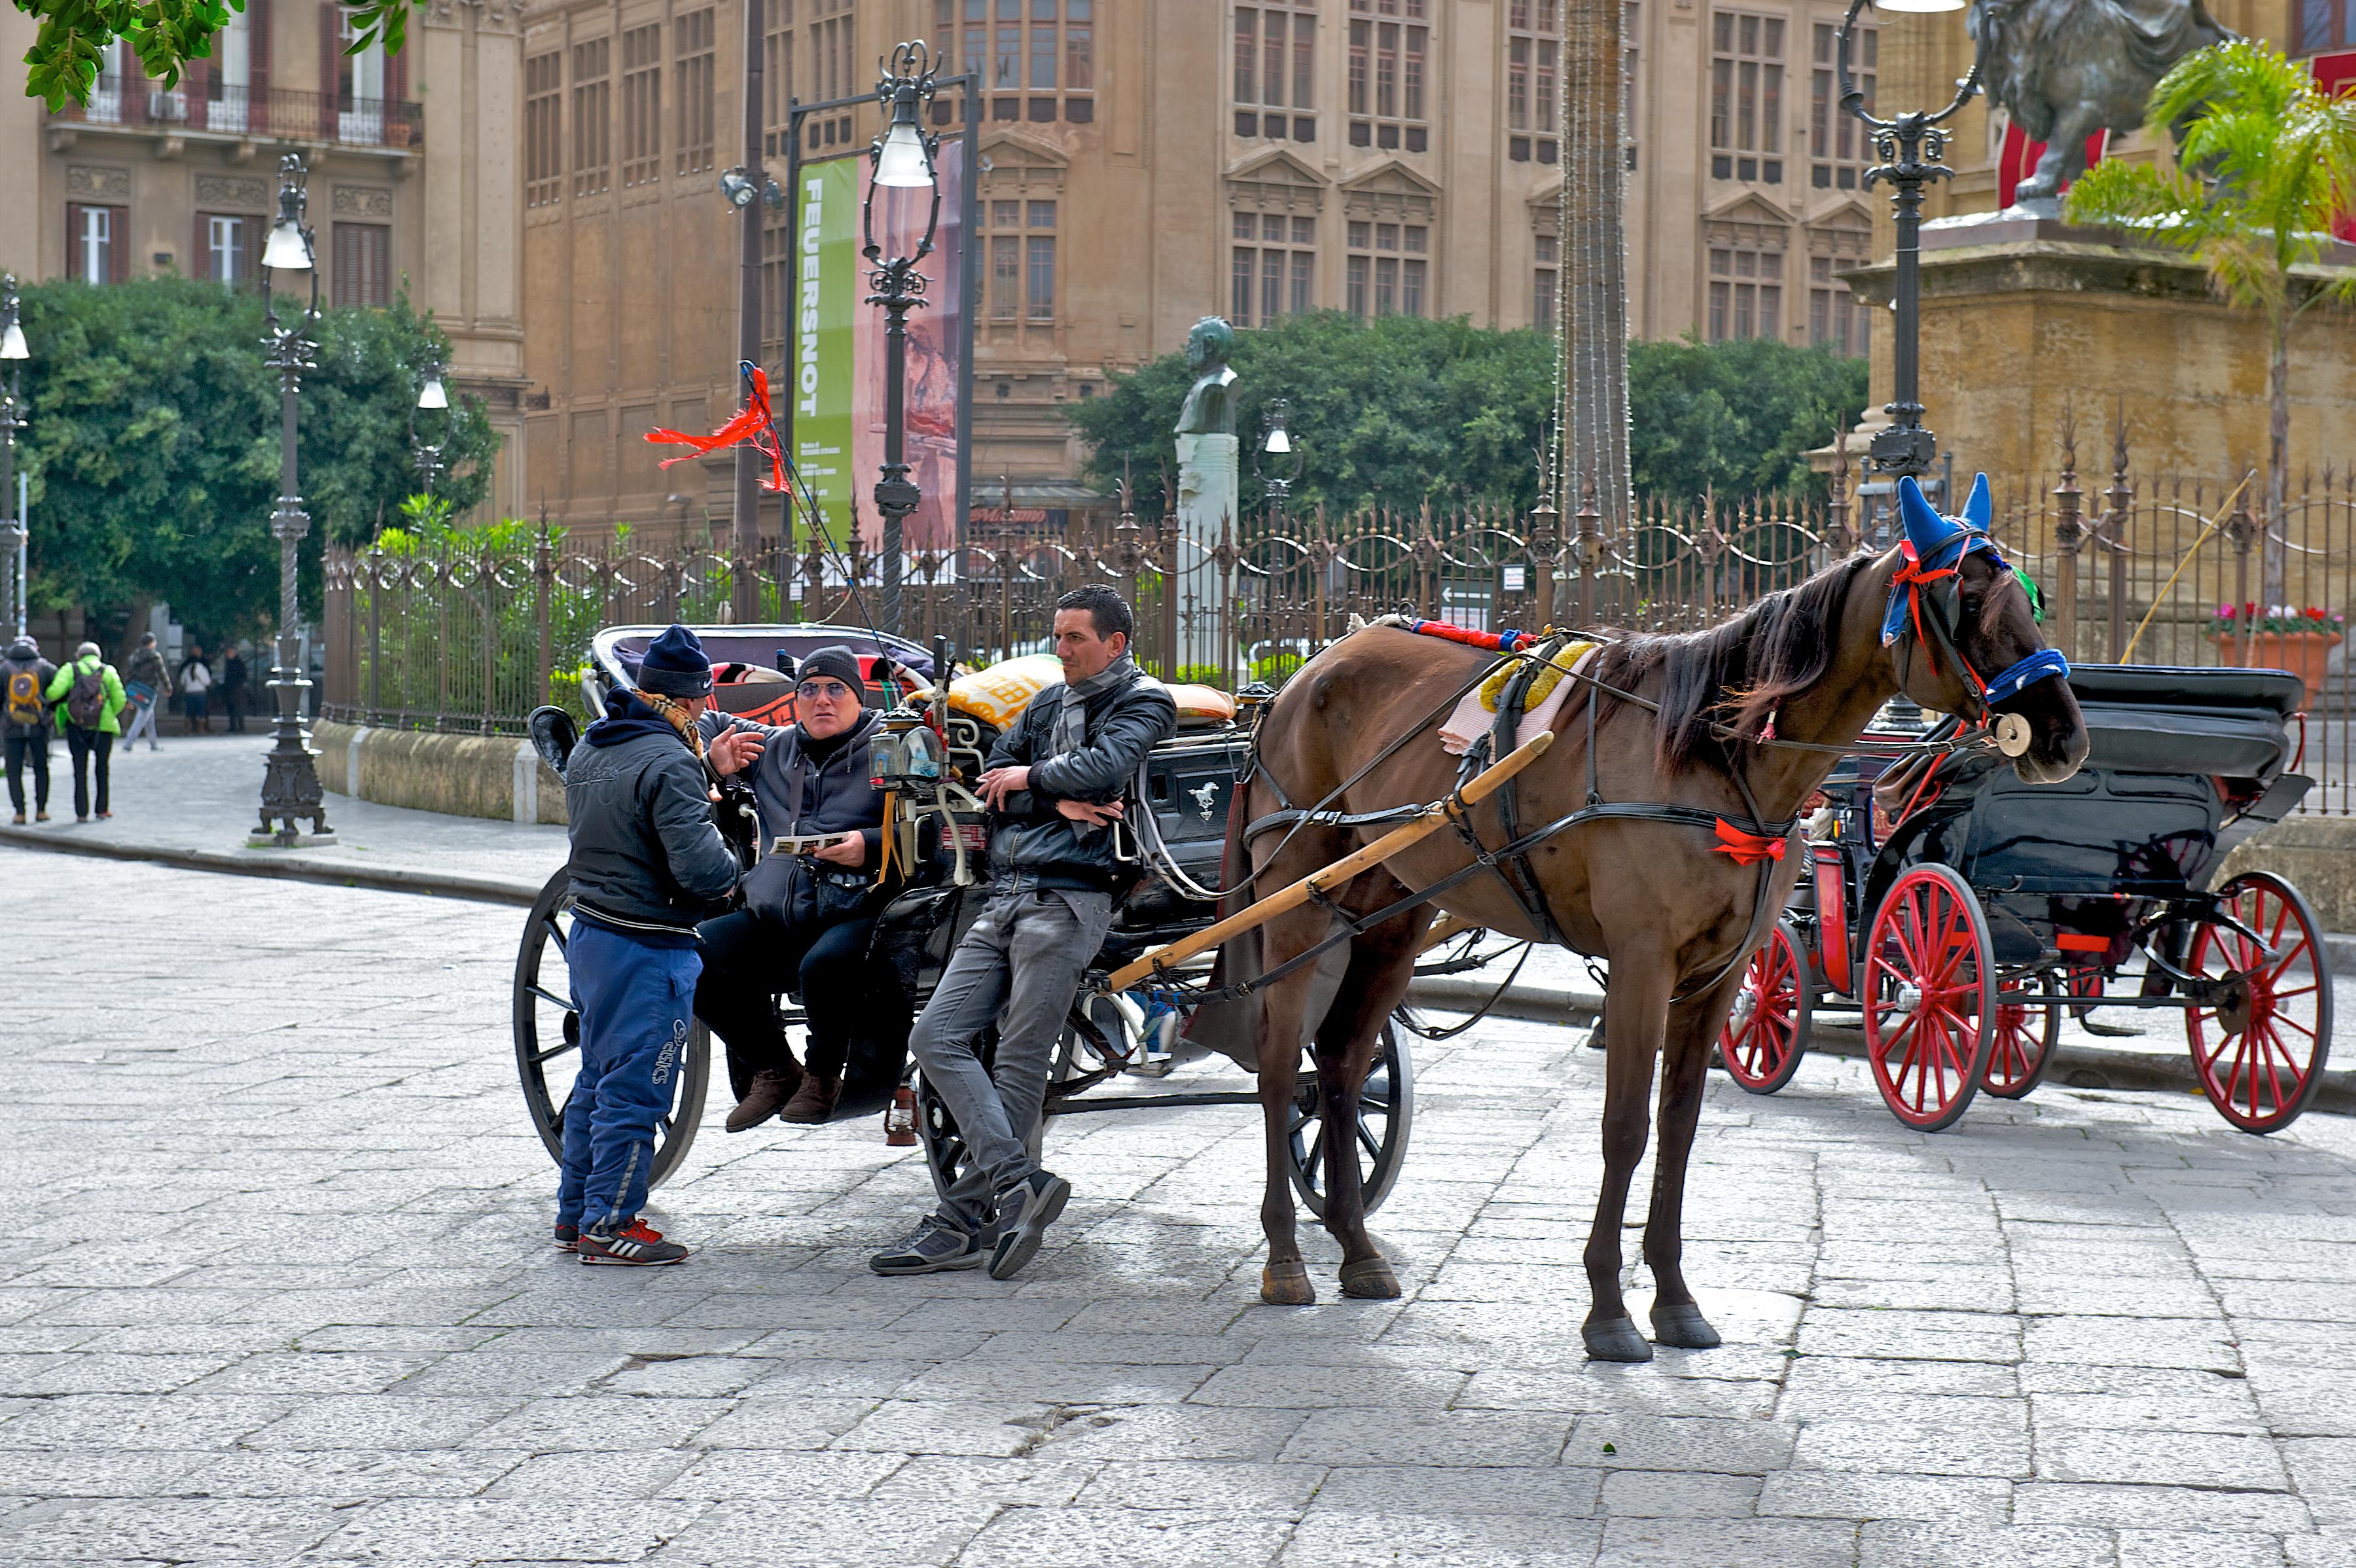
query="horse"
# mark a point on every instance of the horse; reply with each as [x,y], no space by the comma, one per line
[1674,917]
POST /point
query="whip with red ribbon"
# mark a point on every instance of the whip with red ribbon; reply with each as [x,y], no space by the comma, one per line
[753,426]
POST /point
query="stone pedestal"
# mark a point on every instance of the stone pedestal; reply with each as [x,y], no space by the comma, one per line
[1210,473]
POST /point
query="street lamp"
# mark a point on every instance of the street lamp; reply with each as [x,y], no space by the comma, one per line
[1910,147]
[1279,463]
[14,584]
[290,782]
[902,157]
[430,395]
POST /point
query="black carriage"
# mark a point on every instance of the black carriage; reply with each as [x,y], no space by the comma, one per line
[1190,781]
[1960,911]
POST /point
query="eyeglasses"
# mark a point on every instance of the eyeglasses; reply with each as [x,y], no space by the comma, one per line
[822,691]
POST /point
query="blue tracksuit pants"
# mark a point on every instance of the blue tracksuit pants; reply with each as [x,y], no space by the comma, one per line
[636,1003]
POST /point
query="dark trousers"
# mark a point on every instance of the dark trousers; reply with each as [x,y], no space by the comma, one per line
[235,700]
[633,1000]
[748,958]
[89,748]
[33,749]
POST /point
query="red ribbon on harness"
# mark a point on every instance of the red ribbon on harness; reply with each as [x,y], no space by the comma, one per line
[1912,575]
[1748,849]
[1495,641]
[751,426]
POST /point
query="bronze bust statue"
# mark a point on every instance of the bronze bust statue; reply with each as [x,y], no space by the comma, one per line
[1210,408]
[2066,68]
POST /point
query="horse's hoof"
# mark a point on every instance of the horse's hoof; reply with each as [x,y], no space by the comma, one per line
[1287,1285]
[1684,1326]
[1369,1279]
[1615,1340]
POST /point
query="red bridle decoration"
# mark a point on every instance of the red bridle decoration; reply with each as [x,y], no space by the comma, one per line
[1747,849]
[1911,575]
[752,426]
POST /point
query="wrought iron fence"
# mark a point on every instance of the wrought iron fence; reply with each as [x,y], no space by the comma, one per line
[2132,570]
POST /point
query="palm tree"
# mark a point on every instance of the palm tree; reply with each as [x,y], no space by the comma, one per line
[2266,166]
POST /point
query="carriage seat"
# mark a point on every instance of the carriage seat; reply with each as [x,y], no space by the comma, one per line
[2278,692]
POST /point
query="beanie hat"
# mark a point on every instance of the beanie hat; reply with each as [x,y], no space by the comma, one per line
[675,665]
[837,660]
[24,647]
[87,650]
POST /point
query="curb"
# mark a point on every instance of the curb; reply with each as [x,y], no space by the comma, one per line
[268,863]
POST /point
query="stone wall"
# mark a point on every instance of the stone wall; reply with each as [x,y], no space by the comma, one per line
[500,776]
[2318,856]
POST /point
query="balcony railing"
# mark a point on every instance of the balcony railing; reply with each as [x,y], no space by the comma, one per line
[242,111]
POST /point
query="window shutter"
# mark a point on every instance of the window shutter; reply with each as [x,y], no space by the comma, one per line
[73,240]
[118,244]
[396,82]
[331,61]
[200,259]
[257,75]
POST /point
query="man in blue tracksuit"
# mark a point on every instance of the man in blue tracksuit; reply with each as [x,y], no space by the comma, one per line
[647,863]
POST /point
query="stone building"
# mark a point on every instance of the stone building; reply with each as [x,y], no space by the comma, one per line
[412,173]
[1150,162]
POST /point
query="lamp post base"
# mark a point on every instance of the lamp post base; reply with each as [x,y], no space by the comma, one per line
[290,779]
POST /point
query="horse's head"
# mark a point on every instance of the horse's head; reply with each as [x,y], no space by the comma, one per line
[1962,635]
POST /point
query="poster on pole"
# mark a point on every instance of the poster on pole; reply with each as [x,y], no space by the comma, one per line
[936,334]
[827,315]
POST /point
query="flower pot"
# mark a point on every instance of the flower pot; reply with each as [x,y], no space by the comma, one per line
[2304,653]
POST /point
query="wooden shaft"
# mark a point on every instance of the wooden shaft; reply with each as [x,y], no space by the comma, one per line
[1433,819]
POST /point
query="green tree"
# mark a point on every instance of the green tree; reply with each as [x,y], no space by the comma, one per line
[2266,166]
[164,34]
[1398,410]
[153,444]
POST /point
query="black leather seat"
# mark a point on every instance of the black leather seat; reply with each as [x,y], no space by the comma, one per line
[2160,686]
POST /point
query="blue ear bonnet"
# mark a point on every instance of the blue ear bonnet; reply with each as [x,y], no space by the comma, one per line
[1936,543]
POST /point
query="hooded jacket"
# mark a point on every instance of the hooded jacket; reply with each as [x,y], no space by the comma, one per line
[836,799]
[646,860]
[62,686]
[1032,843]
[23,654]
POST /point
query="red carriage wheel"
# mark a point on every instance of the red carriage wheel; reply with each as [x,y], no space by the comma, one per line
[2260,1046]
[1767,1032]
[2085,990]
[2025,1033]
[1929,996]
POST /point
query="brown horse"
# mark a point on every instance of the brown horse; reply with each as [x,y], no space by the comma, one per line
[1671,914]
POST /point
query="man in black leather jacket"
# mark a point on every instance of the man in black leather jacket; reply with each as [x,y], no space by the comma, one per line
[1055,782]
[647,865]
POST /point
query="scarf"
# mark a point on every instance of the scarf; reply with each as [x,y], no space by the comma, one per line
[675,713]
[1071,731]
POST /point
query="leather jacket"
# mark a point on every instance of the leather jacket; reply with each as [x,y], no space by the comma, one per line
[1032,844]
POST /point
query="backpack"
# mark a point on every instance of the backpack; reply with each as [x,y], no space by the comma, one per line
[86,698]
[25,705]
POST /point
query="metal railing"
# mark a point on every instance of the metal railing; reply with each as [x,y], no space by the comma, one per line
[242,111]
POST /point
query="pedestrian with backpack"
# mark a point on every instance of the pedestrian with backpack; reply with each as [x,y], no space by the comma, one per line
[25,678]
[91,694]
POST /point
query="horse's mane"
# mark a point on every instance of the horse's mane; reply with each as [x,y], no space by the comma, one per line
[1736,674]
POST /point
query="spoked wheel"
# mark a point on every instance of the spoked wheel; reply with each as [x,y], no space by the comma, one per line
[548,1038]
[1767,1032]
[2261,1045]
[1929,994]
[1386,1115]
[2025,1033]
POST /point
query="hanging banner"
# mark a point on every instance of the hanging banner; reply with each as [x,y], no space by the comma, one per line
[936,331]
[824,339]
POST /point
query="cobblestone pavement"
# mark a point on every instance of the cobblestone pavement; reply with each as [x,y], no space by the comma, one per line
[280,1291]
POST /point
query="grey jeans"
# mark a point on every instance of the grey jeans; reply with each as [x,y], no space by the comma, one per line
[1020,966]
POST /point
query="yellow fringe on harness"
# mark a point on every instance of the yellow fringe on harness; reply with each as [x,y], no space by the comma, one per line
[1493,690]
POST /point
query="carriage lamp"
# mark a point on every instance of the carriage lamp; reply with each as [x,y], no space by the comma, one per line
[902,158]
[1910,147]
[906,753]
[11,527]
[290,780]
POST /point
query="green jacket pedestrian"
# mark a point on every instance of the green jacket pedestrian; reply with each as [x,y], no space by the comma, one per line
[89,695]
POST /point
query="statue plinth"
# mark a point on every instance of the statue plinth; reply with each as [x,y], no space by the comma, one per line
[1210,479]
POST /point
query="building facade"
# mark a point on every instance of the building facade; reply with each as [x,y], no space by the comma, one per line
[1146,163]
[411,163]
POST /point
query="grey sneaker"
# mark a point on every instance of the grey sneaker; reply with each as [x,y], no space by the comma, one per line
[935,1247]
[1024,1212]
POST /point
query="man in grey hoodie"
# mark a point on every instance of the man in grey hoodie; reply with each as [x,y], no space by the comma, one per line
[25,678]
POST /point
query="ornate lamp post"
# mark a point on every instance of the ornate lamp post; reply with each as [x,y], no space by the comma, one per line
[1279,463]
[290,783]
[902,157]
[13,585]
[1910,147]
[430,395]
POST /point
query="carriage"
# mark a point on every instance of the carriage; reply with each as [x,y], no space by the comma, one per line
[1960,912]
[1190,780]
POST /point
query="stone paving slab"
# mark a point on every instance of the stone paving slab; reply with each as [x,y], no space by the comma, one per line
[290,1300]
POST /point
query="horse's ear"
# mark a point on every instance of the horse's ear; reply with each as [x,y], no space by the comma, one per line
[1928,530]
[1977,511]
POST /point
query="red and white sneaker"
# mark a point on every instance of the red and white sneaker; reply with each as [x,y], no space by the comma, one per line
[636,1243]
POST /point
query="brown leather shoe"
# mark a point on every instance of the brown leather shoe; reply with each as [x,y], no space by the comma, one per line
[814,1100]
[769,1091]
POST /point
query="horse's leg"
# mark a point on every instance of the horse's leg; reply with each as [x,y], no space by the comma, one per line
[1633,1027]
[1685,1065]
[1284,1281]
[1381,963]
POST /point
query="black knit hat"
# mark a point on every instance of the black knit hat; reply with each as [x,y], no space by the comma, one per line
[675,665]
[837,660]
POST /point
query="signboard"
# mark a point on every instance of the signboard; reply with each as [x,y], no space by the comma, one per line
[936,333]
[825,318]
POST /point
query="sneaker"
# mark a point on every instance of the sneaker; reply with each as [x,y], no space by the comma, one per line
[567,1238]
[763,1097]
[814,1101]
[935,1247]
[636,1244]
[1024,1212]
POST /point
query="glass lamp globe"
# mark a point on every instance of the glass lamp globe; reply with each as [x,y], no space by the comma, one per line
[286,251]
[903,164]
[430,395]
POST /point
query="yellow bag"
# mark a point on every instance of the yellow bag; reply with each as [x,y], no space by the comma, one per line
[997,695]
